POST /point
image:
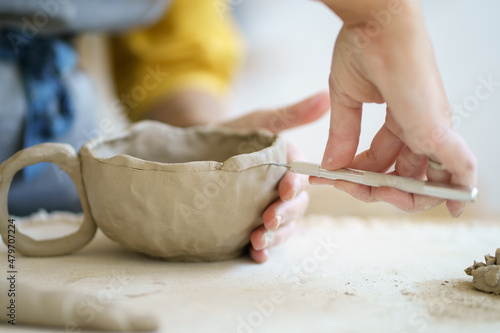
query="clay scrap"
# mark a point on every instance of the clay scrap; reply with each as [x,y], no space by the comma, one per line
[486,276]
[69,309]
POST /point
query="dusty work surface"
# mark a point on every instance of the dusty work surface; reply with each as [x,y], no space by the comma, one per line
[334,275]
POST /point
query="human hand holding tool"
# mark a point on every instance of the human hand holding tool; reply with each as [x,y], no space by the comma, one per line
[375,179]
[383,54]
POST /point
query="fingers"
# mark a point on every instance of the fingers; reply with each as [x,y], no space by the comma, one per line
[289,117]
[272,233]
[431,134]
[411,165]
[383,152]
[445,146]
[279,217]
[262,240]
[440,176]
[292,184]
[345,127]
[444,176]
[458,159]
[282,212]
[408,202]
[258,256]
[460,163]
[358,191]
[408,164]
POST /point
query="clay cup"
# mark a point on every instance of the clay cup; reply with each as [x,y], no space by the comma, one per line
[191,194]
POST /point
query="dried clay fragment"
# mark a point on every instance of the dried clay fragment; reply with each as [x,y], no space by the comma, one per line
[65,309]
[486,276]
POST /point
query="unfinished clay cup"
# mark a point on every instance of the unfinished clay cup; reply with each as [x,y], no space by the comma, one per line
[176,193]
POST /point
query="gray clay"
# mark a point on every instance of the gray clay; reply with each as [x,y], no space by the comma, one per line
[176,193]
[63,309]
[486,276]
[186,194]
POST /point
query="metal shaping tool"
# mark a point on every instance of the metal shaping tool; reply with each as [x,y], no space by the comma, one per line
[405,184]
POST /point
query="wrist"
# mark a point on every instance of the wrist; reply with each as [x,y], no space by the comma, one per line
[396,34]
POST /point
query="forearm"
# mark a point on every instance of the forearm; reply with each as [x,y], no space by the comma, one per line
[189,107]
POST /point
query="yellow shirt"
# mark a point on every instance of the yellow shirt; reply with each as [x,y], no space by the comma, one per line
[195,44]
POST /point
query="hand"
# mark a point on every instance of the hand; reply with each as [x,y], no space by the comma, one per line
[395,66]
[278,219]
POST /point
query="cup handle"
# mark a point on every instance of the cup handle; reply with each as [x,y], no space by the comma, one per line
[66,158]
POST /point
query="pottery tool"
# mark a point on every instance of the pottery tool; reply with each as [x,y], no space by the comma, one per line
[411,185]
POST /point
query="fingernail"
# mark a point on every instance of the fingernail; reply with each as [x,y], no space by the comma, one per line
[459,214]
[338,186]
[278,219]
[268,237]
[435,165]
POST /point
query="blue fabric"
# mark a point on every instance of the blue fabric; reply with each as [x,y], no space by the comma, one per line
[42,61]
[51,189]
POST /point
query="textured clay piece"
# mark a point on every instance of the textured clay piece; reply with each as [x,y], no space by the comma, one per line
[177,193]
[64,309]
[65,157]
[186,194]
[486,276]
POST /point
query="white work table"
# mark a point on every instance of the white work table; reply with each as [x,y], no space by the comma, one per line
[333,275]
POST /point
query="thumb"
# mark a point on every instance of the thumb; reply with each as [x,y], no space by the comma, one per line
[289,117]
[345,127]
